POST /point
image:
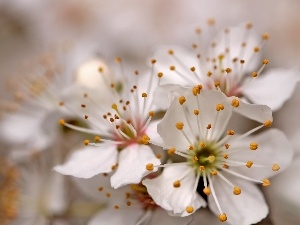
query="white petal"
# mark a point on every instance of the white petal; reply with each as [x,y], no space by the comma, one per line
[259,113]
[173,199]
[153,135]
[160,216]
[208,115]
[273,148]
[111,216]
[283,194]
[90,161]
[132,165]
[247,208]
[272,88]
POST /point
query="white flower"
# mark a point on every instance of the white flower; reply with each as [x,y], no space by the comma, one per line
[37,194]
[195,127]
[39,94]
[123,128]
[231,63]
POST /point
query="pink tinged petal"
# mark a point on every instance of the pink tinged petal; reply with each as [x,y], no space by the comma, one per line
[272,88]
[249,207]
[283,195]
[259,113]
[175,200]
[111,216]
[273,148]
[90,161]
[132,165]
[153,135]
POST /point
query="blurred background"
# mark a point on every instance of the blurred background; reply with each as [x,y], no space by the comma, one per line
[133,29]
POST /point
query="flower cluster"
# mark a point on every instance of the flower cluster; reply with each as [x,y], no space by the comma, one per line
[158,147]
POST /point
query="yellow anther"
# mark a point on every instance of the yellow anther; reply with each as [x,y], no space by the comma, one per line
[116,207]
[86,142]
[149,167]
[200,87]
[217,84]
[193,69]
[179,125]
[83,105]
[249,164]
[172,68]
[211,21]
[151,113]
[221,57]
[202,144]
[222,217]
[202,168]
[158,156]
[61,103]
[275,167]
[182,100]
[242,61]
[256,49]
[219,107]
[228,70]
[97,138]
[266,182]
[265,36]
[118,60]
[195,158]
[171,151]
[100,69]
[191,147]
[196,91]
[227,146]
[254,74]
[230,132]
[208,126]
[86,117]
[225,156]
[145,139]
[214,172]
[170,52]
[176,184]
[206,191]
[225,166]
[211,158]
[108,194]
[196,112]
[189,209]
[114,106]
[265,61]
[160,74]
[62,122]
[253,145]
[249,25]
[235,102]
[268,123]
[237,190]
[153,61]
[144,95]
[100,188]
[209,73]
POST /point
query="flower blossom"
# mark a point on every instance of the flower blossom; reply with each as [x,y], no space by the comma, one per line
[122,133]
[195,127]
[231,63]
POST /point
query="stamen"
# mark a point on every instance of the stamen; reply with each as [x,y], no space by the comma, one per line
[275,167]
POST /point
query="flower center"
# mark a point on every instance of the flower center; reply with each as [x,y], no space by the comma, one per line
[204,156]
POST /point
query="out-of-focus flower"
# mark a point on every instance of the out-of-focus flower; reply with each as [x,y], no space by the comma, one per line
[122,134]
[231,65]
[194,127]
[37,196]
[39,92]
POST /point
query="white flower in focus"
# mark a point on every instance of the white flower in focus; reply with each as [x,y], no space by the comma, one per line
[122,132]
[195,127]
[231,63]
